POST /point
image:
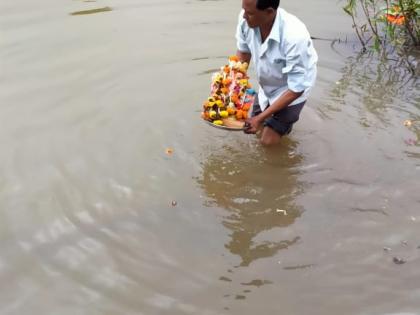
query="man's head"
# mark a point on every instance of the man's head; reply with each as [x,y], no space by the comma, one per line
[259,12]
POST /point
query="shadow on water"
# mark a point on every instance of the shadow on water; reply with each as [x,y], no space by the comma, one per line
[257,187]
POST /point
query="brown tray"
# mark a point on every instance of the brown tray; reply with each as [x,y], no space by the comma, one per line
[229,124]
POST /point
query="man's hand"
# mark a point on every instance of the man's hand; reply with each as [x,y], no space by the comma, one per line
[253,124]
[243,56]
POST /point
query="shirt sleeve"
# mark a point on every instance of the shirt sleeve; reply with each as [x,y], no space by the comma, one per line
[241,32]
[296,62]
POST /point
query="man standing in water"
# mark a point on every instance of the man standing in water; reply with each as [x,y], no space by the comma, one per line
[285,61]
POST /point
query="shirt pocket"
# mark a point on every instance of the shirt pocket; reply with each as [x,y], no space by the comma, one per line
[276,64]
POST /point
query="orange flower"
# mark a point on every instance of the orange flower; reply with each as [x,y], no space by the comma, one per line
[395,19]
[234,58]
[227,82]
[224,90]
[246,106]
[231,110]
[205,115]
[234,98]
[239,114]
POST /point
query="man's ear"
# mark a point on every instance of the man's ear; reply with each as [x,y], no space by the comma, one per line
[270,10]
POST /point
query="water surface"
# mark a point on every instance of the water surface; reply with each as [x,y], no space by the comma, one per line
[96,218]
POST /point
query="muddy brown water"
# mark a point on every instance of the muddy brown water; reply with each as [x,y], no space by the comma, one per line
[96,218]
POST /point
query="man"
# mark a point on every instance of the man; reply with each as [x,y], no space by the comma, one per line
[285,61]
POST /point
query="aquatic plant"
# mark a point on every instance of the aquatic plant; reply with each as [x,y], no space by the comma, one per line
[385,24]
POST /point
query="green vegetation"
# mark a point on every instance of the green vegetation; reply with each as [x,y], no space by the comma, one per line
[385,24]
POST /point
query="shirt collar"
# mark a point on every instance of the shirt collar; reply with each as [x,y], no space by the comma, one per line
[275,29]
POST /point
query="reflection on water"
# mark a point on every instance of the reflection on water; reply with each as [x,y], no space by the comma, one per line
[92,11]
[379,87]
[257,188]
[377,97]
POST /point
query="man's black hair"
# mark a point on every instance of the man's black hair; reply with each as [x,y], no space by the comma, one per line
[265,4]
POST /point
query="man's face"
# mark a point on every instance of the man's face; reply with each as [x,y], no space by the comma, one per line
[253,16]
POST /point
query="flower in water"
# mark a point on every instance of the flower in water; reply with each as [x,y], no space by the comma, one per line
[408,123]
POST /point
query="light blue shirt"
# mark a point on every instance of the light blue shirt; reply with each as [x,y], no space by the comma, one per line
[286,59]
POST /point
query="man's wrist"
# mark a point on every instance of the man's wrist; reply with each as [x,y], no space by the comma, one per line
[263,116]
[283,101]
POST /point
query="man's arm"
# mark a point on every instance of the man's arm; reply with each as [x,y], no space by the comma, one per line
[254,123]
[282,102]
[243,56]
